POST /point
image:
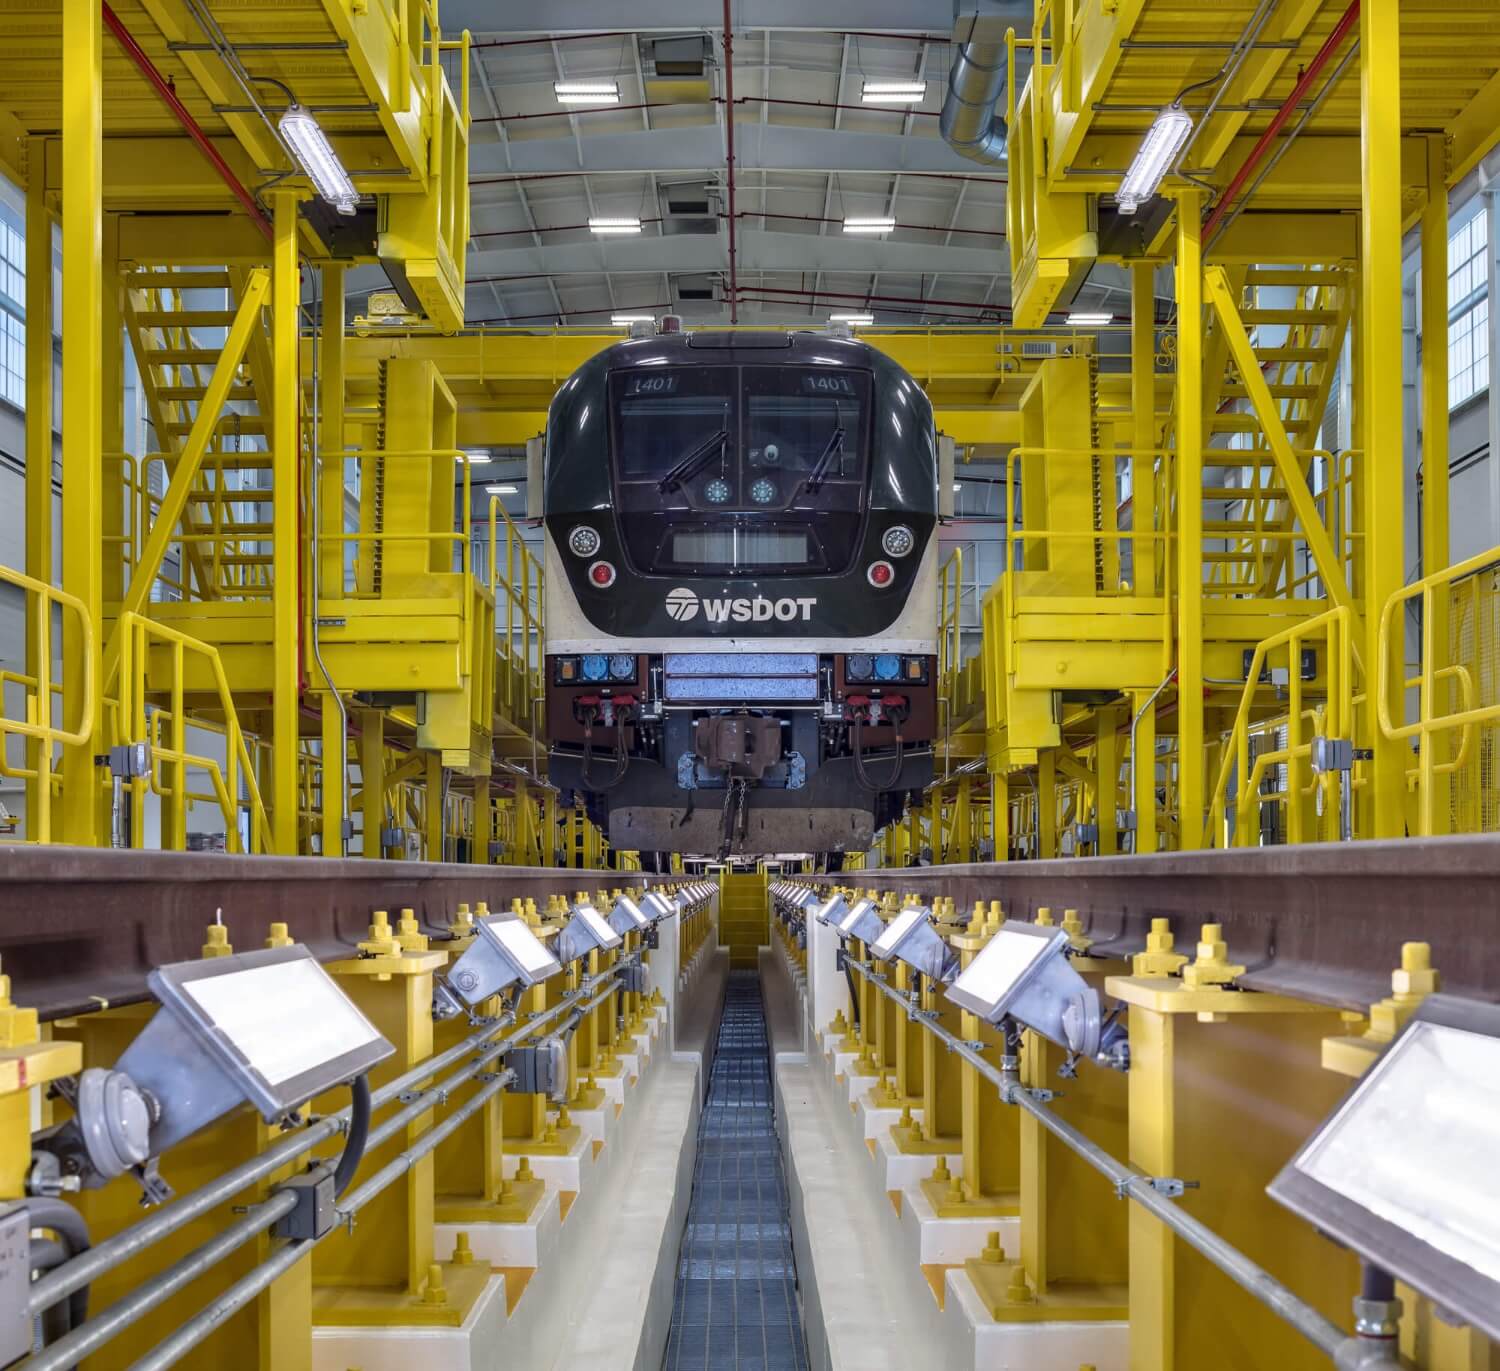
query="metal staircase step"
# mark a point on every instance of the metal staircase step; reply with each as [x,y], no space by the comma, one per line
[185,318]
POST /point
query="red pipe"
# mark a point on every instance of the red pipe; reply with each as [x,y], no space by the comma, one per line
[734,280]
[828,104]
[566,111]
[821,219]
[540,228]
[883,299]
[1324,54]
[163,88]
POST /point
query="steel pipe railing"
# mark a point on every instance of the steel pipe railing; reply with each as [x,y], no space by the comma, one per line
[1322,1332]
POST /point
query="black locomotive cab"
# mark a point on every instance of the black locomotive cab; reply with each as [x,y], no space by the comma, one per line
[741,591]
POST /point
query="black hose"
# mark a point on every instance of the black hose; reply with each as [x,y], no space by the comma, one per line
[359,1132]
[72,1231]
[861,775]
[622,759]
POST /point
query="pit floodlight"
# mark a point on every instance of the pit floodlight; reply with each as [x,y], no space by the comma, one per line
[879,223]
[893,92]
[604,224]
[1023,973]
[627,916]
[1153,159]
[504,952]
[657,905]
[268,1028]
[832,910]
[862,921]
[315,155]
[587,92]
[1403,1171]
[585,932]
[911,938]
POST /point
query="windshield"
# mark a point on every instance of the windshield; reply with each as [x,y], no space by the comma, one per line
[663,415]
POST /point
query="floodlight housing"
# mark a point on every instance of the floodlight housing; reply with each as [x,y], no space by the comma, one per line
[504,952]
[585,932]
[268,1028]
[319,162]
[832,909]
[657,905]
[911,938]
[1154,158]
[1403,1171]
[627,916]
[1023,973]
[862,921]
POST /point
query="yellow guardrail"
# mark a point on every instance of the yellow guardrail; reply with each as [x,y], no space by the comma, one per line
[1337,721]
[167,733]
[516,582]
[38,726]
[1429,723]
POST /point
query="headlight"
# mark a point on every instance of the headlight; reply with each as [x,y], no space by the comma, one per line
[584,541]
[717,491]
[763,491]
[898,541]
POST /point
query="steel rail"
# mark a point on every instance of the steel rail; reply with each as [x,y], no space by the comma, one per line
[1321,1331]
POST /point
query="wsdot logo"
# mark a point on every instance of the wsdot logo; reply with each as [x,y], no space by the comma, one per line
[682,604]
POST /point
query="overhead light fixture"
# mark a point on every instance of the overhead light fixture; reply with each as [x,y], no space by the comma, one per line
[614,225]
[1083,318]
[504,488]
[1153,159]
[1023,973]
[504,952]
[893,92]
[851,319]
[881,223]
[1394,1171]
[587,92]
[957,486]
[315,155]
[625,320]
[471,455]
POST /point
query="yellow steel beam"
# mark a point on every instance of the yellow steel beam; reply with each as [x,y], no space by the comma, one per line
[39,550]
[285,502]
[1475,131]
[1143,435]
[1190,520]
[1380,321]
[328,472]
[83,391]
[1435,544]
[1287,465]
[183,240]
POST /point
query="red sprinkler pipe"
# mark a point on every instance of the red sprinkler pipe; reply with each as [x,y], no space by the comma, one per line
[163,88]
[734,280]
[1304,82]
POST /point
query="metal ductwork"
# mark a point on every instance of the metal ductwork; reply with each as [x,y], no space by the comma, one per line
[971,121]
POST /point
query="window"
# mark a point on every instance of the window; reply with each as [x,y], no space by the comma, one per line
[12,313]
[1468,310]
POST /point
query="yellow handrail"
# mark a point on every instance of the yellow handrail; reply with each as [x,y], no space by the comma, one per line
[521,588]
[38,724]
[1428,724]
[136,635]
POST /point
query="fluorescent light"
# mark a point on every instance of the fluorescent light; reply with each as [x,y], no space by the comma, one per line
[957,486]
[1154,158]
[893,92]
[315,155]
[503,488]
[876,224]
[598,224]
[625,320]
[851,318]
[474,454]
[587,92]
[1090,318]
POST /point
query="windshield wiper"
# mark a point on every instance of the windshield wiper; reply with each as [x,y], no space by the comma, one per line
[835,444]
[689,465]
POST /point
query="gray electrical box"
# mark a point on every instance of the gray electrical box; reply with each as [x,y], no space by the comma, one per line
[15,1284]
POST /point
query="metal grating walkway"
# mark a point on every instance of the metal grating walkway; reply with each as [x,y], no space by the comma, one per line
[735,1307]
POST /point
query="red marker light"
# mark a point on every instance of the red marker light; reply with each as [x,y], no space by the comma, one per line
[602,574]
[881,574]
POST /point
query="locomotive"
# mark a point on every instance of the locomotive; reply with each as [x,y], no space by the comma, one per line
[741,591]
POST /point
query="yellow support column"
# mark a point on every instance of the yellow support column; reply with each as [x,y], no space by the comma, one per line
[83,389]
[1434,792]
[1189,453]
[433,808]
[286,500]
[483,822]
[1143,434]
[328,471]
[112,431]
[1143,762]
[39,458]
[1380,403]
[372,779]
[1107,768]
[1046,805]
